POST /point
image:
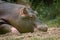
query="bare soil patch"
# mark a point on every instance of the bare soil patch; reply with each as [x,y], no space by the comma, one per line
[37,35]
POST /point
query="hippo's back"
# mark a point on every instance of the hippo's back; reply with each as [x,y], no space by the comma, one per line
[9,9]
[10,12]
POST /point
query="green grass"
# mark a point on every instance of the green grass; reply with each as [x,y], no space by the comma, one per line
[50,38]
[32,38]
[53,23]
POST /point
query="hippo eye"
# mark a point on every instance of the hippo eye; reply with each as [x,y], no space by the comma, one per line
[32,17]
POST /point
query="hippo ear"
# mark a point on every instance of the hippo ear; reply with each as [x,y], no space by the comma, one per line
[23,11]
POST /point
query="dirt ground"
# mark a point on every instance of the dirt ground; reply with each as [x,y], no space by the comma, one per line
[37,35]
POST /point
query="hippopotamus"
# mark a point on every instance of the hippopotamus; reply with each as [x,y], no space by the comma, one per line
[20,17]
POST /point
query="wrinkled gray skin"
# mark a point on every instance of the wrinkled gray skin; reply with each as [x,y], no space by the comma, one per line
[10,13]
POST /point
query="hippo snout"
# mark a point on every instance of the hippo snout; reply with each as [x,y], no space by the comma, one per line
[42,27]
